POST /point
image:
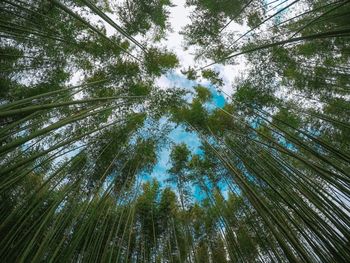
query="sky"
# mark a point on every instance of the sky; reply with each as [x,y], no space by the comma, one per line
[178,134]
[179,17]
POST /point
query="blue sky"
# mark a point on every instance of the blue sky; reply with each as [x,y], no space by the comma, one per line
[179,17]
[179,134]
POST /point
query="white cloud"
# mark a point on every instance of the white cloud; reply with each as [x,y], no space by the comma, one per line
[178,18]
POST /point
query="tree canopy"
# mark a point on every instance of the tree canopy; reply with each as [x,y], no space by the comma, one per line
[86,121]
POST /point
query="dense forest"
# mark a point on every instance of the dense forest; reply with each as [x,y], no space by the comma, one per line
[84,119]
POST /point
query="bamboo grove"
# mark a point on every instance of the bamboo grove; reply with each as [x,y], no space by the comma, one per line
[82,121]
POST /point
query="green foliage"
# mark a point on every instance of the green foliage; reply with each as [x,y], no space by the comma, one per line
[247,94]
[195,114]
[140,16]
[179,157]
[158,62]
[190,73]
[83,126]
[254,19]
[203,93]
[213,77]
